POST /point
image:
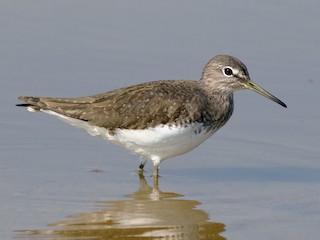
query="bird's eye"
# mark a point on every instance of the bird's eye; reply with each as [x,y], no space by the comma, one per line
[228,71]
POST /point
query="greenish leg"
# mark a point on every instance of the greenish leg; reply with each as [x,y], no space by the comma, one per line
[140,169]
[141,166]
[155,170]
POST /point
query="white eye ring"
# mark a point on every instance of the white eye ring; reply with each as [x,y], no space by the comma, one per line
[228,71]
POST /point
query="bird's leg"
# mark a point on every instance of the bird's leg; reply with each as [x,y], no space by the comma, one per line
[141,166]
[155,172]
[140,169]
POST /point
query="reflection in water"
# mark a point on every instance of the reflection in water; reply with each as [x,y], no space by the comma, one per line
[148,214]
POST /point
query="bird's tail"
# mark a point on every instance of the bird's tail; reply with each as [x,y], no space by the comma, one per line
[31,103]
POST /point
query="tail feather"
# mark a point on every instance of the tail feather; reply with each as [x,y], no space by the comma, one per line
[31,103]
[30,100]
[66,106]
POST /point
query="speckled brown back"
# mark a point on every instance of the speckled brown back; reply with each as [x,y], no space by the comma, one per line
[136,107]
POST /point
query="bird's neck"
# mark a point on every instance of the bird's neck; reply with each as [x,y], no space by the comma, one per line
[220,102]
[222,107]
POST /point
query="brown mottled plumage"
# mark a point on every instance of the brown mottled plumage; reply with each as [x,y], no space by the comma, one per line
[195,106]
[136,107]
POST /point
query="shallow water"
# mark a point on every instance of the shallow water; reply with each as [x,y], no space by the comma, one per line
[147,213]
[257,178]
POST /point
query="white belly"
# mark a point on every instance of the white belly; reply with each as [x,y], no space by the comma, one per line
[156,144]
[163,142]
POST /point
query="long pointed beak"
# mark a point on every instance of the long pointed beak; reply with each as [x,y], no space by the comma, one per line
[256,88]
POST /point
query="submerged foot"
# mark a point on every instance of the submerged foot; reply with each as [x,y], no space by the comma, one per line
[140,169]
[155,174]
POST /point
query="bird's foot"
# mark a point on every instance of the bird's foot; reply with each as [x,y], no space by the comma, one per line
[140,169]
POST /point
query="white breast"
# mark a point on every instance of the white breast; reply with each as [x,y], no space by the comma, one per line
[157,144]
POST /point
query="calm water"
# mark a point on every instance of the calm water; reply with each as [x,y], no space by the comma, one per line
[257,178]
